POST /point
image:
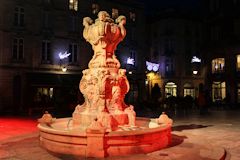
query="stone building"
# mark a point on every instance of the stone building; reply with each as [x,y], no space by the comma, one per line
[175,46]
[36,37]
[222,50]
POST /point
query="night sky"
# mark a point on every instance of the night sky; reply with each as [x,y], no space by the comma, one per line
[153,6]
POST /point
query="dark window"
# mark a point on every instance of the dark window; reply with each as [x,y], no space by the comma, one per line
[73,53]
[18,49]
[19,16]
[46,51]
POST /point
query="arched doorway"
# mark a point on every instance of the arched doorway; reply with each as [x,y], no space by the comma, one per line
[170,89]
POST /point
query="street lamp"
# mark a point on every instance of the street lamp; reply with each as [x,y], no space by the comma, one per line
[64,69]
[63,62]
[195,72]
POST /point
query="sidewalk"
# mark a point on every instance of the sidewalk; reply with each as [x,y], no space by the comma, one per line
[195,137]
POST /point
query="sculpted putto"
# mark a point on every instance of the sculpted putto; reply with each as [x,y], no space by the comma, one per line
[104,35]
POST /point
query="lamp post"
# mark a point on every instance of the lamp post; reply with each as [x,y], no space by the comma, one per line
[63,61]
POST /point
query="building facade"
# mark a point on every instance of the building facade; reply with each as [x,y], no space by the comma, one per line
[222,50]
[43,53]
[175,46]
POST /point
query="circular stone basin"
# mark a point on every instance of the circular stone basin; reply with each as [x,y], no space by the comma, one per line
[147,136]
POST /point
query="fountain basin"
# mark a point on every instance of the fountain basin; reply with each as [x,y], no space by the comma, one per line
[147,136]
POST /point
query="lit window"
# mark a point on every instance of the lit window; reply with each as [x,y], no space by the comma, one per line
[218,91]
[43,95]
[73,53]
[218,65]
[46,51]
[238,93]
[170,89]
[132,16]
[238,62]
[114,13]
[188,90]
[73,5]
[95,8]
[17,48]
[19,16]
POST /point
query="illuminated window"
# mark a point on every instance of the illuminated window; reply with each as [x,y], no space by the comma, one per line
[238,62]
[132,16]
[170,89]
[73,49]
[218,91]
[46,51]
[18,49]
[43,95]
[218,65]
[19,16]
[95,8]
[238,93]
[188,90]
[114,13]
[73,5]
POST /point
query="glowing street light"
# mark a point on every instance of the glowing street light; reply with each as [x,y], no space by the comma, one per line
[195,72]
[64,55]
[64,69]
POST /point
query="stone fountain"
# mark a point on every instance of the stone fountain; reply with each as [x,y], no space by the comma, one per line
[104,125]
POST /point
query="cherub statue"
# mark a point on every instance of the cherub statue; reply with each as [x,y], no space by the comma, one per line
[121,21]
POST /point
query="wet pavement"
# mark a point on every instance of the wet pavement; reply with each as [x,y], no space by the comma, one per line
[207,137]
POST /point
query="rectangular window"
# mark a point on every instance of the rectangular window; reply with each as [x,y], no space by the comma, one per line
[46,19]
[19,16]
[238,93]
[73,23]
[238,62]
[46,51]
[114,13]
[73,53]
[95,8]
[169,70]
[18,49]
[132,16]
[215,33]
[218,65]
[168,46]
[218,91]
[73,5]
[189,92]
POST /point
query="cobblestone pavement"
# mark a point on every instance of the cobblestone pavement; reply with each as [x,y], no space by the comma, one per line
[195,136]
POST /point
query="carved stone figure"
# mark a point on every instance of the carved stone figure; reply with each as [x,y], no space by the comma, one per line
[131,115]
[104,84]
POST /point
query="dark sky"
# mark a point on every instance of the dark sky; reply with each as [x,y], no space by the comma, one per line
[158,5]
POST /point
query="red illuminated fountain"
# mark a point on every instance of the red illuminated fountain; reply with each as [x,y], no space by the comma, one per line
[104,125]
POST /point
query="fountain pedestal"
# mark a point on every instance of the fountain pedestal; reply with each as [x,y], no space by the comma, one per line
[103,85]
